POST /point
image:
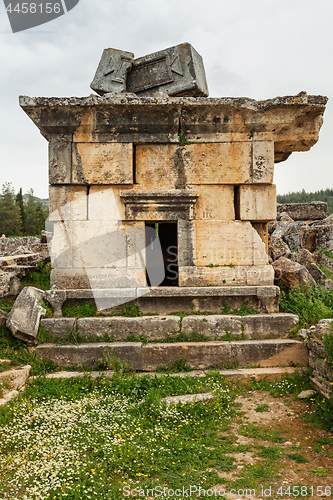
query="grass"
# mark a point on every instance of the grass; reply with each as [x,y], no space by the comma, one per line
[79,438]
[262,408]
[6,305]
[110,435]
[39,278]
[310,305]
[298,458]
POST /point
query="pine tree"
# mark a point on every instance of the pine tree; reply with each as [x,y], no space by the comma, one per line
[10,217]
[20,203]
[35,215]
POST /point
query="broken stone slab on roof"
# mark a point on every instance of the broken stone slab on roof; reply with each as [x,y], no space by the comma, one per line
[112,70]
[176,71]
[23,319]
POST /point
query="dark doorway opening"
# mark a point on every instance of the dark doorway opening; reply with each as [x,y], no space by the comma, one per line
[166,232]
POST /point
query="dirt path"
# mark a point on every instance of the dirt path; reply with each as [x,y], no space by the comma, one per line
[304,455]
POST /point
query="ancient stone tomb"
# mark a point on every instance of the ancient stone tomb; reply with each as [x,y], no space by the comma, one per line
[196,171]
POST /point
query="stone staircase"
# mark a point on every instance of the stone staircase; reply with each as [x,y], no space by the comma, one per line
[228,340]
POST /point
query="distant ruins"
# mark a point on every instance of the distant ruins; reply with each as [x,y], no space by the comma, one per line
[154,155]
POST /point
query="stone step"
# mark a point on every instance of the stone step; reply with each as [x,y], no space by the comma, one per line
[255,326]
[240,374]
[167,299]
[196,355]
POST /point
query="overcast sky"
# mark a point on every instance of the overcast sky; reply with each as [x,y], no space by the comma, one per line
[258,49]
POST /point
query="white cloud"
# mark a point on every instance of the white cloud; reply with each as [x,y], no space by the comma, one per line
[257,49]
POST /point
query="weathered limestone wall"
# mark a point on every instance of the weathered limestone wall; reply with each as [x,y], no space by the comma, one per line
[207,164]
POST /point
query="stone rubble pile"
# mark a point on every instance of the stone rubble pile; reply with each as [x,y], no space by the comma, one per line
[295,240]
[20,256]
[319,359]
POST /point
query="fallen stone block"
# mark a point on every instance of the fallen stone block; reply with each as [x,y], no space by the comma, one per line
[3,317]
[306,394]
[326,284]
[322,260]
[304,211]
[187,398]
[112,71]
[10,285]
[92,354]
[278,248]
[284,217]
[152,327]
[292,273]
[305,259]
[12,382]
[176,71]
[23,319]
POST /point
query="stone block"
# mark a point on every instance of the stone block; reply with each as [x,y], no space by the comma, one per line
[61,245]
[16,381]
[292,273]
[10,285]
[59,327]
[23,319]
[316,210]
[275,352]
[235,243]
[60,158]
[257,203]
[3,318]
[305,258]
[265,326]
[198,355]
[257,326]
[98,278]
[112,71]
[186,243]
[152,327]
[159,166]
[225,276]
[219,163]
[102,163]
[213,326]
[262,230]
[68,202]
[278,248]
[105,203]
[121,121]
[215,202]
[108,244]
[90,355]
[170,166]
[263,162]
[177,71]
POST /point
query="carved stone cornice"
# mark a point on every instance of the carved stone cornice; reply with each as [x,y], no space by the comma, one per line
[167,205]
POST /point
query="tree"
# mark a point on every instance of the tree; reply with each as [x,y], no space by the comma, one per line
[10,216]
[36,215]
[20,203]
